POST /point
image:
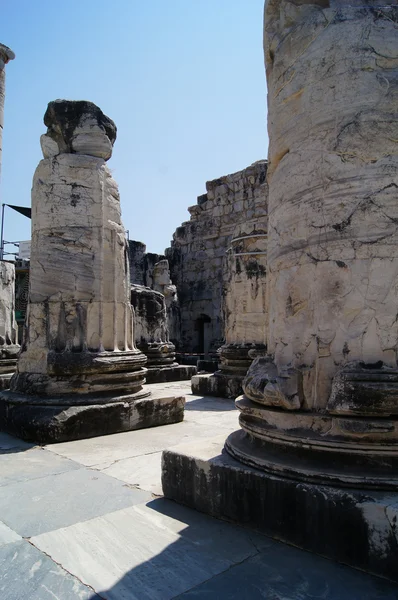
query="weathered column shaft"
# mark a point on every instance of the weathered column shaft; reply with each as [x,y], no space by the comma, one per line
[333,213]
[328,391]
[88,308]
[6,54]
[79,373]
[245,307]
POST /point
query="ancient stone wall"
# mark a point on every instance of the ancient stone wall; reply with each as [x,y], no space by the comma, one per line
[198,252]
[142,263]
[152,270]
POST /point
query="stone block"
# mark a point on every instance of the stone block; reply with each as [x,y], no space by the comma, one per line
[173,373]
[354,527]
[54,420]
[217,384]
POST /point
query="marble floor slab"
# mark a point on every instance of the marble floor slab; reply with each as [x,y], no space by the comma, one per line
[7,535]
[39,505]
[282,572]
[102,452]
[8,443]
[94,530]
[28,574]
[158,556]
[34,463]
[144,473]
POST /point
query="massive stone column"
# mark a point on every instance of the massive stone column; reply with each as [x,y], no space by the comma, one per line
[152,337]
[8,343]
[6,54]
[319,416]
[331,380]
[79,373]
[244,311]
[9,347]
[162,283]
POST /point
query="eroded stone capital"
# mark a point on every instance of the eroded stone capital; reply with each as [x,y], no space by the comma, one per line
[77,127]
[6,54]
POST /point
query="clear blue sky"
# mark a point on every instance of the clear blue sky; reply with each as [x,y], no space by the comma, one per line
[182,79]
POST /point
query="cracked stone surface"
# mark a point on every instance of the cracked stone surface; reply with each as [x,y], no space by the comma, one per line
[6,54]
[9,348]
[93,530]
[198,251]
[333,183]
[79,373]
[327,393]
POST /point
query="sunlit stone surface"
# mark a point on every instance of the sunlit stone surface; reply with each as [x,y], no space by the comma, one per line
[317,453]
[79,372]
[331,380]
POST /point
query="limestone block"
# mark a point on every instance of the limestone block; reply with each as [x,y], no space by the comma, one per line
[80,127]
[49,147]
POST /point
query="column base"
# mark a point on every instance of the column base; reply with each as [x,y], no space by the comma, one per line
[169,373]
[217,384]
[7,369]
[46,421]
[355,527]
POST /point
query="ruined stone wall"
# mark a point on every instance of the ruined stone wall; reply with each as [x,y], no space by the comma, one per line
[152,270]
[142,263]
[198,252]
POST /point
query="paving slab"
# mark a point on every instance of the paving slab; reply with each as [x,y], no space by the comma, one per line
[149,552]
[33,463]
[7,535]
[9,443]
[38,505]
[102,452]
[27,574]
[282,572]
[144,472]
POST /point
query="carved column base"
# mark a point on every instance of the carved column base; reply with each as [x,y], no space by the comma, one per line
[235,360]
[7,370]
[352,443]
[174,372]
[61,420]
[85,395]
[352,526]
[159,354]
[162,365]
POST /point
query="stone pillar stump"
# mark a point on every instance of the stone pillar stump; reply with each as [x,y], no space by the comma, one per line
[79,373]
[152,337]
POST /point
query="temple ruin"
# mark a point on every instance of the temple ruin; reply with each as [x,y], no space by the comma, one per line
[244,309]
[152,336]
[199,249]
[318,442]
[79,373]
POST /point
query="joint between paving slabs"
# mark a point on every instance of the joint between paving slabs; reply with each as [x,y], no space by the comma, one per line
[27,539]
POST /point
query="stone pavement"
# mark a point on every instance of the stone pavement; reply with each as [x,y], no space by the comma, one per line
[85,520]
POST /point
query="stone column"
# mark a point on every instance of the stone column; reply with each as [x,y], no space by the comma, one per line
[245,311]
[8,344]
[319,414]
[329,389]
[79,372]
[9,348]
[6,54]
[162,283]
[152,337]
